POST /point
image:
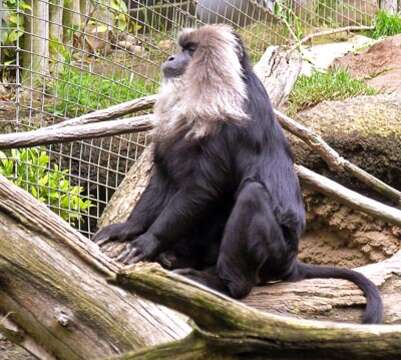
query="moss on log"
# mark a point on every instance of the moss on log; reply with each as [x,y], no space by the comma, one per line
[54,289]
[365,129]
[232,328]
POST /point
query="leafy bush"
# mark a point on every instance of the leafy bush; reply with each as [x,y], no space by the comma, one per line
[78,92]
[30,169]
[12,25]
[332,85]
[386,24]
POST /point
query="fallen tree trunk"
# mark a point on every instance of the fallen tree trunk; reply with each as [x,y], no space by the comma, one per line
[279,69]
[333,299]
[54,289]
[226,327]
[129,191]
[56,295]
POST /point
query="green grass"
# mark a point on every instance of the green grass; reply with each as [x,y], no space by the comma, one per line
[78,92]
[333,85]
[386,25]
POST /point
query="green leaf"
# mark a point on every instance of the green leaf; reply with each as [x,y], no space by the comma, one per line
[100,29]
[34,192]
[119,6]
[122,22]
[14,35]
[24,6]
[44,180]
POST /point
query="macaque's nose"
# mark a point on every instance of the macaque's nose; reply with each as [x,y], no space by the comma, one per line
[171,58]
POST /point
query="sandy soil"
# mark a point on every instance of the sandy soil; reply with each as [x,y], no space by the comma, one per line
[338,235]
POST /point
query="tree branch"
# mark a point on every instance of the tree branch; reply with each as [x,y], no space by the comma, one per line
[348,197]
[333,31]
[238,328]
[62,134]
[333,158]
[112,112]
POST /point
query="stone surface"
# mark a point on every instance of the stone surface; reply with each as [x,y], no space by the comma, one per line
[379,65]
[322,56]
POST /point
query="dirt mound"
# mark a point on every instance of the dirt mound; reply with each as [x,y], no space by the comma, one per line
[379,66]
[338,235]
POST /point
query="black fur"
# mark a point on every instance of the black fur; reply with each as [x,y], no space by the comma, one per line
[228,208]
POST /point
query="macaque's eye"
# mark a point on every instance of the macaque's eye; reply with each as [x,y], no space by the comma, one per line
[190,48]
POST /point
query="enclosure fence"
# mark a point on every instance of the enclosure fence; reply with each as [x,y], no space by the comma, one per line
[63,58]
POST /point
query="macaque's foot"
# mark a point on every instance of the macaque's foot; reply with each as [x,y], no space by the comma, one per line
[171,261]
[145,247]
[115,232]
[168,260]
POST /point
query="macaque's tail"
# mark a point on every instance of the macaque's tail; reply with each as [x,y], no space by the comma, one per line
[374,306]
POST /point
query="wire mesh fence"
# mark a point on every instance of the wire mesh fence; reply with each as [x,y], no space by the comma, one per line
[63,58]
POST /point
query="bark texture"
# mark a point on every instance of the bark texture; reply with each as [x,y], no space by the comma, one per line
[54,289]
[57,135]
[225,327]
[279,69]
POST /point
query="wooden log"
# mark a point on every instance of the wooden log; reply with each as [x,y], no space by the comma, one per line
[279,69]
[65,134]
[111,112]
[129,191]
[348,197]
[54,289]
[337,300]
[230,328]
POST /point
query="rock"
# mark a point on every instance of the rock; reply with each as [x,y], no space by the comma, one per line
[322,56]
[366,130]
[379,65]
[134,49]
[124,44]
[166,45]
[130,38]
[278,69]
[137,50]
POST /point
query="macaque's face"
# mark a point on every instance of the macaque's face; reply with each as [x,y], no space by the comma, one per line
[176,64]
